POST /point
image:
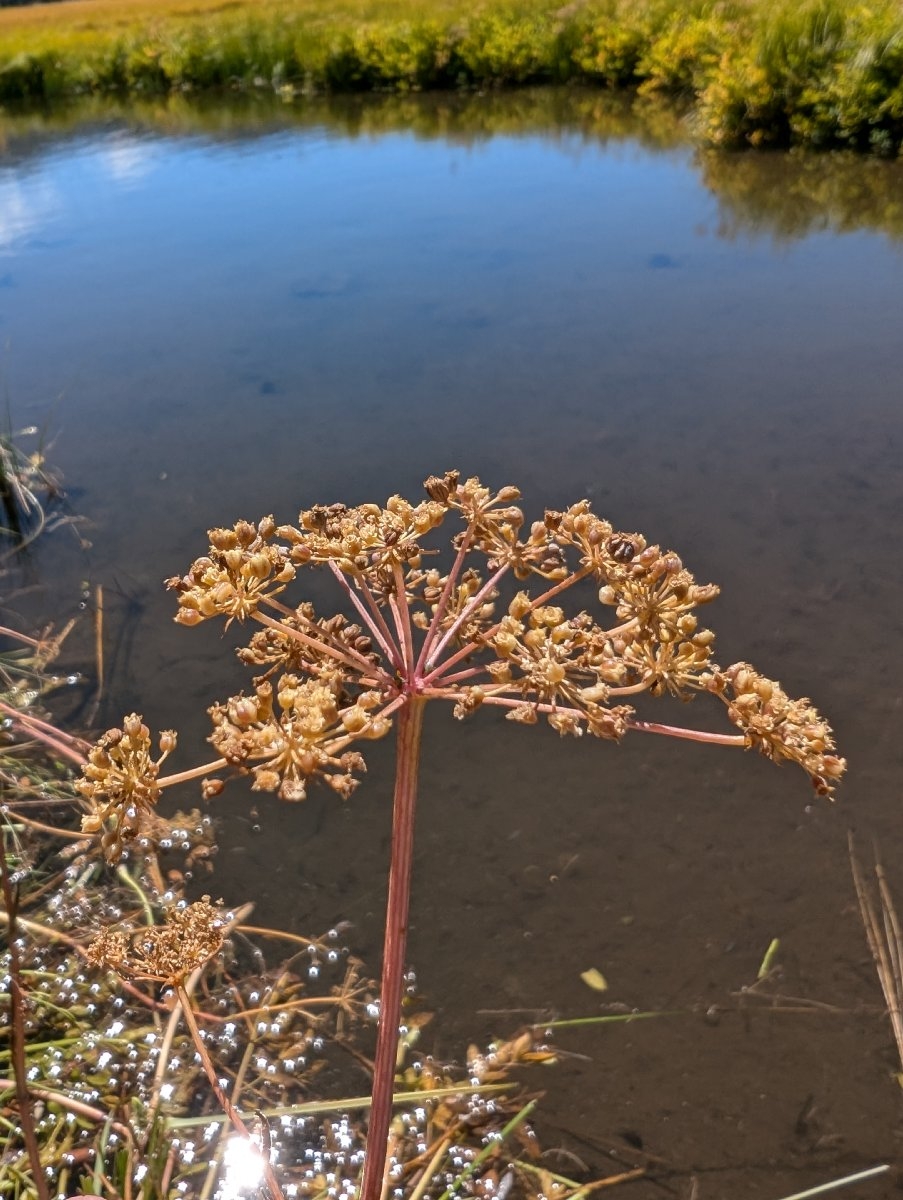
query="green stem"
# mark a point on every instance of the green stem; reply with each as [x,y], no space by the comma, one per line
[487,1150]
[407,762]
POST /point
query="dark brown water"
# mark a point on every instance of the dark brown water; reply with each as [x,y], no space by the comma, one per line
[232,312]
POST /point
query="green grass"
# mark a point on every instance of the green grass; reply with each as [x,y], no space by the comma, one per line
[817,72]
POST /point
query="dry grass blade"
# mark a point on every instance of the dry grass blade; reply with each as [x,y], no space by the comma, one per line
[884,939]
[836,1184]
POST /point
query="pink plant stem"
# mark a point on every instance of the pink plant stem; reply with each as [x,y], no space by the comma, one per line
[27,719]
[76,1106]
[632,690]
[373,619]
[442,606]
[460,676]
[676,731]
[20,637]
[399,629]
[690,735]
[69,747]
[410,726]
[561,586]
[319,635]
[347,656]
[472,647]
[468,610]
[404,609]
[224,1101]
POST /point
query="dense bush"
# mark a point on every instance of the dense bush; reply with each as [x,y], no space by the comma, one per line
[820,72]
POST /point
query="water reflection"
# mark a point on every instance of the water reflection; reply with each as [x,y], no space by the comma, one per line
[25,211]
[786,195]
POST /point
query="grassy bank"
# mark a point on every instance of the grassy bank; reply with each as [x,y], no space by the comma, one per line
[822,72]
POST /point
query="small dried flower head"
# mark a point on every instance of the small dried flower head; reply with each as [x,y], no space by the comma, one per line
[241,569]
[300,729]
[167,953]
[780,727]
[282,649]
[441,489]
[365,540]
[119,781]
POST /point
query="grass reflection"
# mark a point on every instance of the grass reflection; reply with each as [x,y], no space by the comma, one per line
[786,196]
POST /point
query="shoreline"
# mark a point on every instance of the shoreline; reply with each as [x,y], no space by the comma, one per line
[755,72]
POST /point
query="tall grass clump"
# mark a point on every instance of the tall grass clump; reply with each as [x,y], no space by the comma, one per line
[475,621]
[820,72]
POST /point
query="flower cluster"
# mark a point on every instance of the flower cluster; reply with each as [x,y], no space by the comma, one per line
[240,569]
[300,730]
[166,953]
[119,782]
[421,631]
[296,645]
[783,729]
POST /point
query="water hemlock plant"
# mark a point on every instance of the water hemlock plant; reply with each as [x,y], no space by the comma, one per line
[481,628]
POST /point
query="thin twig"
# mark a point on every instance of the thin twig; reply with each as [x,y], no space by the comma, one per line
[835,1184]
[224,1102]
[17,1033]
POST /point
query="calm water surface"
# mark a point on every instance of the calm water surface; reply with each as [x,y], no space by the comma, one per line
[229,313]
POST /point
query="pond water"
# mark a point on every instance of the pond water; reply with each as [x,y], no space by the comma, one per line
[227,311]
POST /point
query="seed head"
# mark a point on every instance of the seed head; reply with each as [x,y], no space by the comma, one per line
[241,568]
[301,728]
[166,953]
[779,727]
[119,781]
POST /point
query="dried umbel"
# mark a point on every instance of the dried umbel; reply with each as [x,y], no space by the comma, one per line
[300,732]
[166,953]
[119,782]
[534,660]
[779,727]
[427,628]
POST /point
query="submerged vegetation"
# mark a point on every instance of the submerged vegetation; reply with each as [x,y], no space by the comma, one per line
[822,72]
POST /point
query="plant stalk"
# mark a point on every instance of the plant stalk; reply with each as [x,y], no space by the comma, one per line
[407,762]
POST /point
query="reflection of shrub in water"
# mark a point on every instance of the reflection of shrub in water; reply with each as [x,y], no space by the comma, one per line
[469,633]
[792,196]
